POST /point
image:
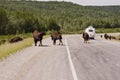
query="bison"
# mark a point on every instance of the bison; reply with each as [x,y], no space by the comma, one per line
[57,36]
[101,36]
[113,37]
[15,39]
[85,37]
[106,36]
[38,36]
[110,37]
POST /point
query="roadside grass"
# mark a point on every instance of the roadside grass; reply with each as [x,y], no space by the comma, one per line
[11,48]
[8,48]
[107,30]
[8,37]
[118,38]
[98,30]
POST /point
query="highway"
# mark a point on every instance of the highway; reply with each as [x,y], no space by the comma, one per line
[75,60]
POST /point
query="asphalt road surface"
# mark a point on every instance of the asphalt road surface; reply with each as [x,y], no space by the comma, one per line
[75,60]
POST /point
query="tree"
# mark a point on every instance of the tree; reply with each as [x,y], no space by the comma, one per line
[53,26]
[3,21]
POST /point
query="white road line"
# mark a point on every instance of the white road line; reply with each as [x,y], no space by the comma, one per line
[71,63]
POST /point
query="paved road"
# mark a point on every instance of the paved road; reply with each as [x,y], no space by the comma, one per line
[98,60]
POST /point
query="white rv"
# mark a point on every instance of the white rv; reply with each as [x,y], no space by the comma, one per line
[91,32]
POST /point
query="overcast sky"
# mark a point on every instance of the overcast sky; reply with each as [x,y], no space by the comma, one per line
[91,2]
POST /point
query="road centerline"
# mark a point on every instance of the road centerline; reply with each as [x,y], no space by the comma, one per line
[71,62]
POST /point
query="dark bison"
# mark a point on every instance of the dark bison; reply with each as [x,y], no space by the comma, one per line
[113,37]
[101,36]
[38,36]
[56,36]
[106,36]
[110,37]
[15,39]
[85,37]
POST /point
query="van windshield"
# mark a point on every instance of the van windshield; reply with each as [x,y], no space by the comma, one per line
[90,30]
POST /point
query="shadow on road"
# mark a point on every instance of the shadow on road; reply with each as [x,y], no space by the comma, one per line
[45,46]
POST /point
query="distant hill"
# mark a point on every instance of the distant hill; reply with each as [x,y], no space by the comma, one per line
[25,16]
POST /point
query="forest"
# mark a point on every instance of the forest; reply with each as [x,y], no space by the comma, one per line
[18,17]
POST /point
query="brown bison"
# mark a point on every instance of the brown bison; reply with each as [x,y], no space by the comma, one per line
[85,37]
[57,36]
[113,37]
[101,36]
[106,36]
[38,36]
[110,37]
[15,39]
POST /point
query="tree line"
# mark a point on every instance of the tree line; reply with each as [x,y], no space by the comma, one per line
[25,16]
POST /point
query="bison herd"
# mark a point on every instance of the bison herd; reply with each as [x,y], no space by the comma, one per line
[38,36]
[108,37]
[105,36]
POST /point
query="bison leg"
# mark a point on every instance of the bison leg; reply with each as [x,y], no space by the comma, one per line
[40,43]
[60,42]
[35,41]
[54,41]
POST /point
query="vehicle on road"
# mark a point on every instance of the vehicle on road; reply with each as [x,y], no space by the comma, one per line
[91,32]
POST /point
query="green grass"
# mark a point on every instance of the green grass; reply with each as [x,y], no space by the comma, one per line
[8,37]
[107,30]
[7,48]
[98,30]
[118,37]
[10,48]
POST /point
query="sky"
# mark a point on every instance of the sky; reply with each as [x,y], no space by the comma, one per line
[91,2]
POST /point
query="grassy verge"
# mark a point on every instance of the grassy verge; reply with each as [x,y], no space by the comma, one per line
[8,48]
[98,30]
[118,38]
[8,37]
[107,30]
